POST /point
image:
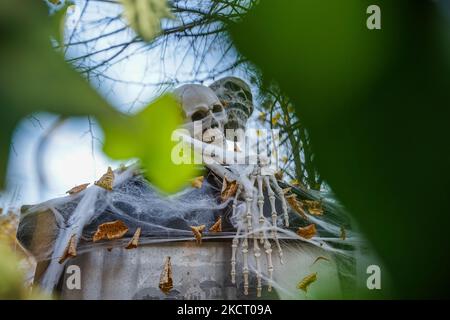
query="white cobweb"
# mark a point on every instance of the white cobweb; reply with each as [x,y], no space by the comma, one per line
[162,219]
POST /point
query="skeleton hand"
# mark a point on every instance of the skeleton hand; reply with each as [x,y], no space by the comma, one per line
[254,230]
[257,225]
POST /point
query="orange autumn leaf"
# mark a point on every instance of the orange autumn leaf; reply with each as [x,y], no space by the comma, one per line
[110,230]
[296,205]
[197,182]
[78,189]
[314,207]
[217,227]
[70,251]
[133,244]
[166,281]
[307,232]
[229,189]
[197,231]
[107,180]
[307,281]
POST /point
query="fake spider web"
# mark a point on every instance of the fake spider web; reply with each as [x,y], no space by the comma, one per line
[134,201]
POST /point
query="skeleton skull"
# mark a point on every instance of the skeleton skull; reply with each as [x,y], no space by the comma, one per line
[236,97]
[205,115]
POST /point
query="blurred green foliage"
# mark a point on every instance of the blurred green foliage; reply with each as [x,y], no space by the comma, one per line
[375,103]
[144,16]
[12,278]
[147,136]
[34,77]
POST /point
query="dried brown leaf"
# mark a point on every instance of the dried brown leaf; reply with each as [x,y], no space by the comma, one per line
[133,244]
[314,207]
[343,233]
[306,281]
[296,205]
[229,189]
[320,258]
[78,189]
[197,231]
[70,251]
[279,175]
[198,182]
[107,180]
[307,232]
[110,230]
[217,227]
[166,281]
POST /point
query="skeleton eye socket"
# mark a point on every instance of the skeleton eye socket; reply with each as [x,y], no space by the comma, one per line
[242,96]
[232,86]
[198,115]
[217,108]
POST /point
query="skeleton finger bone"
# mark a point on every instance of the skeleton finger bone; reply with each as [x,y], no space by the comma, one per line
[268,250]
[257,254]
[245,269]
[274,216]
[272,205]
[280,194]
[235,241]
[261,206]
[249,203]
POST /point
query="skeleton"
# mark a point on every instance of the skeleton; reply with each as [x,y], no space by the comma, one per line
[204,106]
[205,115]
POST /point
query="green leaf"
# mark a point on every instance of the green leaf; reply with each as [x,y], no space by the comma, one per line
[58,20]
[375,103]
[33,76]
[147,136]
[144,16]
